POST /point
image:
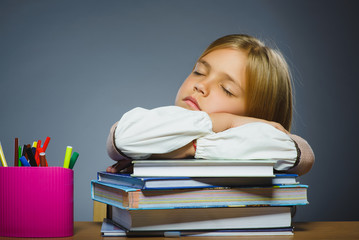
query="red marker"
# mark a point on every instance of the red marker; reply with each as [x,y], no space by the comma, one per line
[47,140]
[37,153]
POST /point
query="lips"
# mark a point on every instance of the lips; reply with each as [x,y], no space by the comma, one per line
[192,102]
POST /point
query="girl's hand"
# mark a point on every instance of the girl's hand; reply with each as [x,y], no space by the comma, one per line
[123,166]
[186,151]
[224,121]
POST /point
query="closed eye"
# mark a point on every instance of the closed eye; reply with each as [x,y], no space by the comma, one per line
[197,73]
[227,92]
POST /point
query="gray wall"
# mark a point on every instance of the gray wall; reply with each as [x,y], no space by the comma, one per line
[69,69]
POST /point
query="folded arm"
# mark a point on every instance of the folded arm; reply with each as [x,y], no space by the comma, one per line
[168,132]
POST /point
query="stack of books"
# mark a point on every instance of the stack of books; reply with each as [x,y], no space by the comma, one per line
[199,198]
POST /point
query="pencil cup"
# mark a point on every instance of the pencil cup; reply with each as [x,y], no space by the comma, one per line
[36,202]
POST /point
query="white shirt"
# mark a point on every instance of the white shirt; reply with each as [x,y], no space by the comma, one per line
[142,132]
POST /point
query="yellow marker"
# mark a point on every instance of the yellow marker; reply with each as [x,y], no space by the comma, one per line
[34,144]
[67,157]
[2,157]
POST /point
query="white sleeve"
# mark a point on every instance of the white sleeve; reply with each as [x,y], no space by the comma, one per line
[250,141]
[141,132]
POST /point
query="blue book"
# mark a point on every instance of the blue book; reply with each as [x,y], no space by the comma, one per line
[193,182]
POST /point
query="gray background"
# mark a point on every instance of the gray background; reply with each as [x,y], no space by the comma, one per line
[69,69]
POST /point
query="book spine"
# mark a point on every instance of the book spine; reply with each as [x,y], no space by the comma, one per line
[106,194]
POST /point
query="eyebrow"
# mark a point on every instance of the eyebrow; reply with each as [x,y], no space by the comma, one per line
[205,63]
[227,76]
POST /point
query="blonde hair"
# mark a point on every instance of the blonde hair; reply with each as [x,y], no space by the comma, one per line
[268,80]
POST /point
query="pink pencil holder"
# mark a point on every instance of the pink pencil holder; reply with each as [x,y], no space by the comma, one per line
[36,202]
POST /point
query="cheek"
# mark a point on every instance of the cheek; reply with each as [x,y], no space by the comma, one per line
[185,87]
[183,90]
[223,105]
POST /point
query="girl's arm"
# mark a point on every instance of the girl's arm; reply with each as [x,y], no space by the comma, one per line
[136,127]
[301,164]
[224,121]
[306,156]
[141,133]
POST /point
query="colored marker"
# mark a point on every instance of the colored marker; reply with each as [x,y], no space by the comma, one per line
[33,149]
[67,156]
[73,159]
[31,157]
[2,157]
[42,157]
[24,162]
[37,159]
[16,153]
[47,140]
[20,154]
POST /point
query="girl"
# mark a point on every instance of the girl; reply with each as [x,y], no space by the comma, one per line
[235,104]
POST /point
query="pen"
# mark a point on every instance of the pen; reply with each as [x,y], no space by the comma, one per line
[16,153]
[24,162]
[73,159]
[2,157]
[67,157]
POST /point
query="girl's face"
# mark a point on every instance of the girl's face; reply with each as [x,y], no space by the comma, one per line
[216,84]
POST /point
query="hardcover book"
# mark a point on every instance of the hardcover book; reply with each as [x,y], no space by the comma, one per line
[193,182]
[202,218]
[203,168]
[111,229]
[135,198]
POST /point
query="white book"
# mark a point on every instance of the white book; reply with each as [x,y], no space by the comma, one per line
[202,218]
[109,229]
[203,168]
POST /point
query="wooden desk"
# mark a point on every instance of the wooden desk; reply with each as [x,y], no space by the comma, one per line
[305,230]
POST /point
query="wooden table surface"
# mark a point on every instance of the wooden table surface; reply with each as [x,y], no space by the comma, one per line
[304,230]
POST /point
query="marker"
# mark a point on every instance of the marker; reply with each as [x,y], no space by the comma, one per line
[24,151]
[16,153]
[33,150]
[73,159]
[20,153]
[42,157]
[2,157]
[31,157]
[67,156]
[38,147]
[24,162]
[47,140]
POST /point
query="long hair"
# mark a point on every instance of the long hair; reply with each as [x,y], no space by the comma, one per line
[268,79]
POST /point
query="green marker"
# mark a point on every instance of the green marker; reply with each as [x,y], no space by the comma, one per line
[20,154]
[73,159]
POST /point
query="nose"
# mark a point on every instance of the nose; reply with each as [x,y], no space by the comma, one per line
[201,87]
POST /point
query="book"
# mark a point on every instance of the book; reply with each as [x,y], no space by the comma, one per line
[135,198]
[111,229]
[202,218]
[203,168]
[146,183]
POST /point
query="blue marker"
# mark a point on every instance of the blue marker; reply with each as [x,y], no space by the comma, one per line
[24,162]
